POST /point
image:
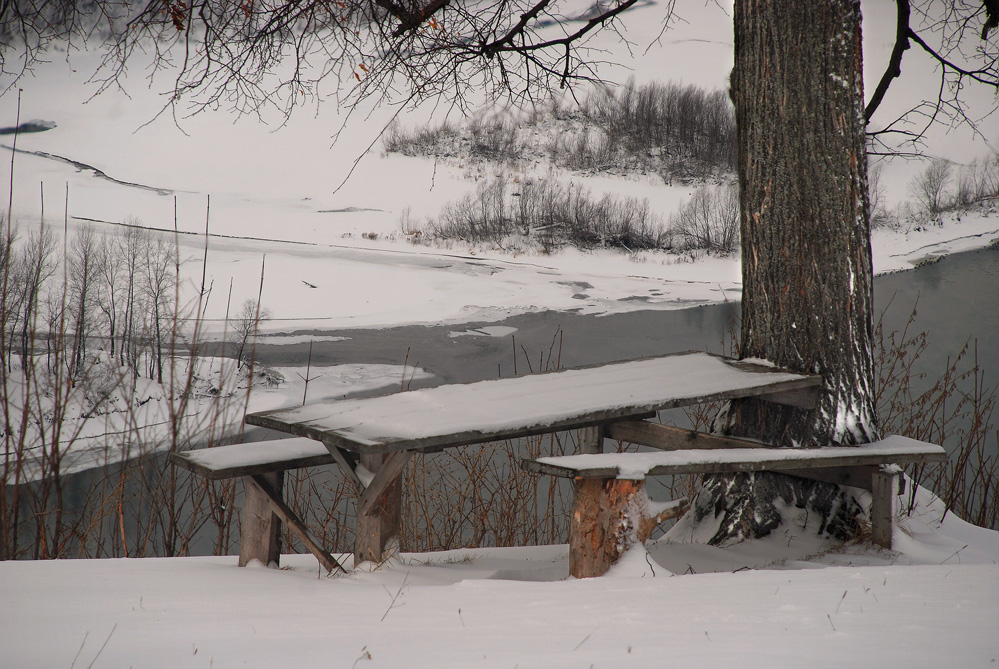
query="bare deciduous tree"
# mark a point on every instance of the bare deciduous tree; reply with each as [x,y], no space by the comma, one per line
[930,185]
[83,274]
[158,283]
[247,322]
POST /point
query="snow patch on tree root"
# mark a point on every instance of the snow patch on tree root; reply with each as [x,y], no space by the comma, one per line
[751,505]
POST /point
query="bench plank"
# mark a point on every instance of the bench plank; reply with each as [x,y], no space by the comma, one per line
[894,449]
[249,459]
[497,409]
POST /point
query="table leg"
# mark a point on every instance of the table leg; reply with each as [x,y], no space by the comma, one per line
[591,439]
[379,507]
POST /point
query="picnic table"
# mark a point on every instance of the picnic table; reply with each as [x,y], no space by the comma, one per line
[371,439]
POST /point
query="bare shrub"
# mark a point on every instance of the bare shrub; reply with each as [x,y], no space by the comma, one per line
[880,217]
[246,323]
[69,400]
[680,131]
[977,181]
[494,137]
[552,215]
[956,411]
[709,220]
[428,140]
[930,185]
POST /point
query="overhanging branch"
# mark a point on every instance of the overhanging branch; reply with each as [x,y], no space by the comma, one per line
[894,68]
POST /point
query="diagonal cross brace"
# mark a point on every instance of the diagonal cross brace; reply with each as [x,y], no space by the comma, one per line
[295,524]
[386,474]
[347,464]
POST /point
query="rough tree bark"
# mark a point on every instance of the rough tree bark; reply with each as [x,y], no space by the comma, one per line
[807,297]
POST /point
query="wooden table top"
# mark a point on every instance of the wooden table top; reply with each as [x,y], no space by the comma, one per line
[498,409]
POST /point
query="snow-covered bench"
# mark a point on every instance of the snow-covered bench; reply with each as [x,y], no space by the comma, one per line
[371,439]
[261,465]
[611,512]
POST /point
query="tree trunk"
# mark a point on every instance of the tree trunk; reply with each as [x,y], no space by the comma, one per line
[806,257]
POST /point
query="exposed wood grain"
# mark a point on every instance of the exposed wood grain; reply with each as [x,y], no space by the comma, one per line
[388,471]
[347,465]
[754,460]
[439,442]
[649,523]
[608,517]
[802,398]
[604,524]
[536,467]
[591,439]
[857,477]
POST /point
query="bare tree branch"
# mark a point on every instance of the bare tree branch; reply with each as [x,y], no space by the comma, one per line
[958,53]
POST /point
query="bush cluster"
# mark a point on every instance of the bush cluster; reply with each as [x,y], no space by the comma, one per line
[550,215]
[679,132]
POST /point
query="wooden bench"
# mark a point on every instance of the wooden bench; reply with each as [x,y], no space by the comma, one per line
[610,514]
[371,439]
[261,465]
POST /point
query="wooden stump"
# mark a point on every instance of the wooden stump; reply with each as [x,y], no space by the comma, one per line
[609,516]
[260,531]
[379,519]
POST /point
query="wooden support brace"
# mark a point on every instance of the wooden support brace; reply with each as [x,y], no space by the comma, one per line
[670,438]
[262,487]
[591,439]
[886,485]
[859,476]
[379,506]
[260,529]
[348,466]
[801,398]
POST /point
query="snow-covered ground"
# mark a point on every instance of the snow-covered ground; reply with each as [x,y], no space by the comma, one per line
[789,600]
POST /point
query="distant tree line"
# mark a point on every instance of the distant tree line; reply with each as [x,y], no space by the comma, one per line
[115,292]
[679,132]
[548,214]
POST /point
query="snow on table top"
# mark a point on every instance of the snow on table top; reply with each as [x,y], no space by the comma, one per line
[638,465]
[464,413]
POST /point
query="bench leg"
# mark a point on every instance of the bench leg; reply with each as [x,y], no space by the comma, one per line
[260,530]
[886,481]
[606,521]
[379,507]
